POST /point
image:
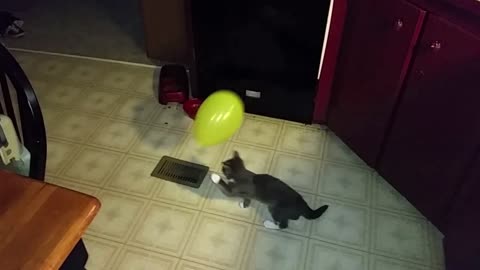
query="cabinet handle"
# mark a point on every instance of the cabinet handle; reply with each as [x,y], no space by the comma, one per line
[398,24]
[436,46]
[420,73]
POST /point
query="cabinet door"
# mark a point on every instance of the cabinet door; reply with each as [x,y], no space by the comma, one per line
[462,241]
[166,30]
[377,44]
[436,129]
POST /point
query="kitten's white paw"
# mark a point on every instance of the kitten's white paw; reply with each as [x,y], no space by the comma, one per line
[271,225]
[215,178]
[242,204]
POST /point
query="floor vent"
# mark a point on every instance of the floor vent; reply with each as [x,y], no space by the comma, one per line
[180,171]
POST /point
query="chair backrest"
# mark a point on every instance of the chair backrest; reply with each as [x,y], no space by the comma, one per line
[19,102]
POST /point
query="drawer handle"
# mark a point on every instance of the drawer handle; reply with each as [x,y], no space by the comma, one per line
[436,46]
[398,24]
[420,73]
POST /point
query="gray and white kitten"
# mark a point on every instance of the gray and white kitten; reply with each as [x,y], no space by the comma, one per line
[283,202]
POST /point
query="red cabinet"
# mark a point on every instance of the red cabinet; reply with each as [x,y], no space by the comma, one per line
[406,99]
[462,245]
[378,40]
[436,130]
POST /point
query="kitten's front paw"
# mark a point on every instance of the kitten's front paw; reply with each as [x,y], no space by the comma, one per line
[215,178]
[245,203]
[270,225]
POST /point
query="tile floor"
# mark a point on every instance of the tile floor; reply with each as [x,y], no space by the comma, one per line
[106,132]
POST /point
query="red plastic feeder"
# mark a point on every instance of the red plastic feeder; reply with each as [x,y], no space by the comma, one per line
[173,84]
[191,107]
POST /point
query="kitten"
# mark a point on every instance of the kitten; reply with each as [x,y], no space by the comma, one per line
[283,202]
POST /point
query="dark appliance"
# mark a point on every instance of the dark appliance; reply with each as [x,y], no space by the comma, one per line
[266,51]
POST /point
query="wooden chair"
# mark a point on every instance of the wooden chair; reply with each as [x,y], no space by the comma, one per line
[19,102]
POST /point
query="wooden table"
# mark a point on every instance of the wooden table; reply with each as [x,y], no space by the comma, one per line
[40,223]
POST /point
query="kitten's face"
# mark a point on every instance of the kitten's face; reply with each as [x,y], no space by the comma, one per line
[233,166]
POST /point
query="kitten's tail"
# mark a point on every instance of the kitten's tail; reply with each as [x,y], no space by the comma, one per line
[314,214]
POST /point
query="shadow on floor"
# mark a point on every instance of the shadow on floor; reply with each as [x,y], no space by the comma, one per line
[109,29]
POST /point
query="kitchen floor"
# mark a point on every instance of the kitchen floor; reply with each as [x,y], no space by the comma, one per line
[110,29]
[106,132]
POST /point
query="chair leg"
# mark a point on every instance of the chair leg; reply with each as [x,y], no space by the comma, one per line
[77,259]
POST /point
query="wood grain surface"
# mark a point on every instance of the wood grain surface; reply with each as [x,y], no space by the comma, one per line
[40,223]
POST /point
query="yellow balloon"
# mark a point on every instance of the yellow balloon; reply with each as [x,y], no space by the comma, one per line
[217,119]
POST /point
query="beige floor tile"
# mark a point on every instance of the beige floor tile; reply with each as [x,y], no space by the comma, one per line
[41,87]
[64,95]
[401,237]
[90,190]
[132,258]
[385,197]
[172,117]
[75,126]
[298,124]
[259,131]
[116,135]
[383,263]
[117,216]
[181,195]
[256,159]
[59,153]
[92,166]
[337,151]
[324,256]
[146,82]
[187,265]
[137,109]
[218,242]
[164,228]
[218,203]
[277,250]
[99,102]
[299,172]
[301,226]
[51,116]
[133,177]
[343,224]
[117,76]
[84,73]
[345,182]
[101,252]
[28,62]
[267,118]
[302,140]
[208,156]
[51,67]
[158,142]
[435,238]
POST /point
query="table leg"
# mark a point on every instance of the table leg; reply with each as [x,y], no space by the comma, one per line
[77,259]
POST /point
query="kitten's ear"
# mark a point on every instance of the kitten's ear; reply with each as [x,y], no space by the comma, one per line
[236,154]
